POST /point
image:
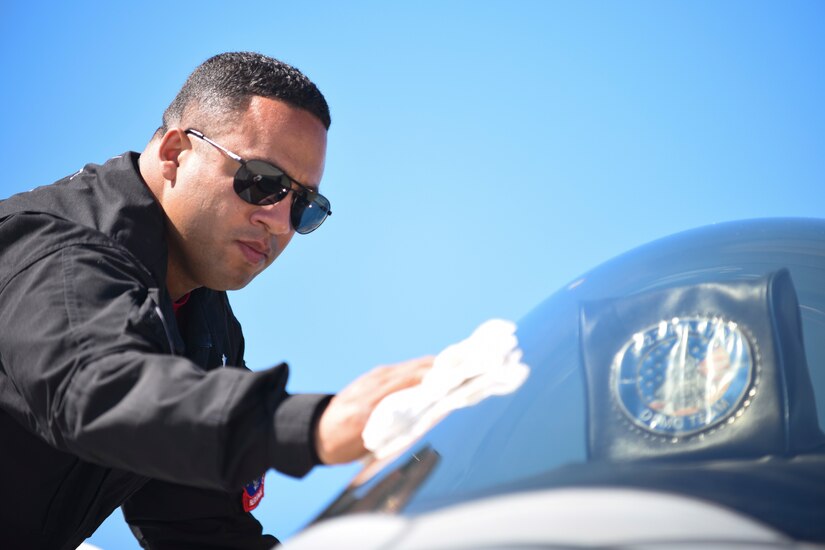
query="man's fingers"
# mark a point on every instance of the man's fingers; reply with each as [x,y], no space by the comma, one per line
[389,379]
[338,437]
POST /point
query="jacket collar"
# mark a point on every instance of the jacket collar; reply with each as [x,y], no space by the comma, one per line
[127,211]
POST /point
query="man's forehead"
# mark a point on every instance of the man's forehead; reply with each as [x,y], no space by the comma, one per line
[289,137]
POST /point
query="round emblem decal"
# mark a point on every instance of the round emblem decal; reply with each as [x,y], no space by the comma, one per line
[684,376]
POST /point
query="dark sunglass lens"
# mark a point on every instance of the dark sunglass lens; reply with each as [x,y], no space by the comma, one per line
[260,183]
[309,213]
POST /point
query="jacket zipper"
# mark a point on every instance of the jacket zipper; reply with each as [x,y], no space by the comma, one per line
[166,331]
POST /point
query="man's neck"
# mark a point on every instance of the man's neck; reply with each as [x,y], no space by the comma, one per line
[177,284]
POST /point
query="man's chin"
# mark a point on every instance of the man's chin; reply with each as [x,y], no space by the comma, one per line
[233,284]
[238,286]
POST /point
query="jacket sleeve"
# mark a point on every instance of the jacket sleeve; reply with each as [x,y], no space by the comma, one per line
[165,516]
[86,366]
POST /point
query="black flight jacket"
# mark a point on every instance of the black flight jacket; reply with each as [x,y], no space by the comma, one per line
[106,401]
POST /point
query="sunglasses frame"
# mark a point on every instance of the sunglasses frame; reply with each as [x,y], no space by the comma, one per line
[303,196]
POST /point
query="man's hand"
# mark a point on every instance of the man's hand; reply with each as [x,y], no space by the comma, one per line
[338,437]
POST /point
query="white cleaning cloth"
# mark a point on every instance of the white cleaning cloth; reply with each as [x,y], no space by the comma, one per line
[487,363]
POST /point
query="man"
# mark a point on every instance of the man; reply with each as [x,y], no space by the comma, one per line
[118,348]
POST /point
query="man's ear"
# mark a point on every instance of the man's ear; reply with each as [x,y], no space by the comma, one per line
[172,144]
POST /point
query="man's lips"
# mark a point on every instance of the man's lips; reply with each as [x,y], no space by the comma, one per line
[255,252]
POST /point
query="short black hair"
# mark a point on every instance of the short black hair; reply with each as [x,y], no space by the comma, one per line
[226,82]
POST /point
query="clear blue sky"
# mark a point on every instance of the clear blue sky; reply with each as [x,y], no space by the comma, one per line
[481,154]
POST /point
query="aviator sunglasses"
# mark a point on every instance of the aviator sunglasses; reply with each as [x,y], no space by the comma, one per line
[260,183]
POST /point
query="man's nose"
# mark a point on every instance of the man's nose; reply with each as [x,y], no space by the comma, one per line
[275,217]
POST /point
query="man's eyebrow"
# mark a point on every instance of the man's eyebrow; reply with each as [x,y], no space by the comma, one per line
[309,187]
